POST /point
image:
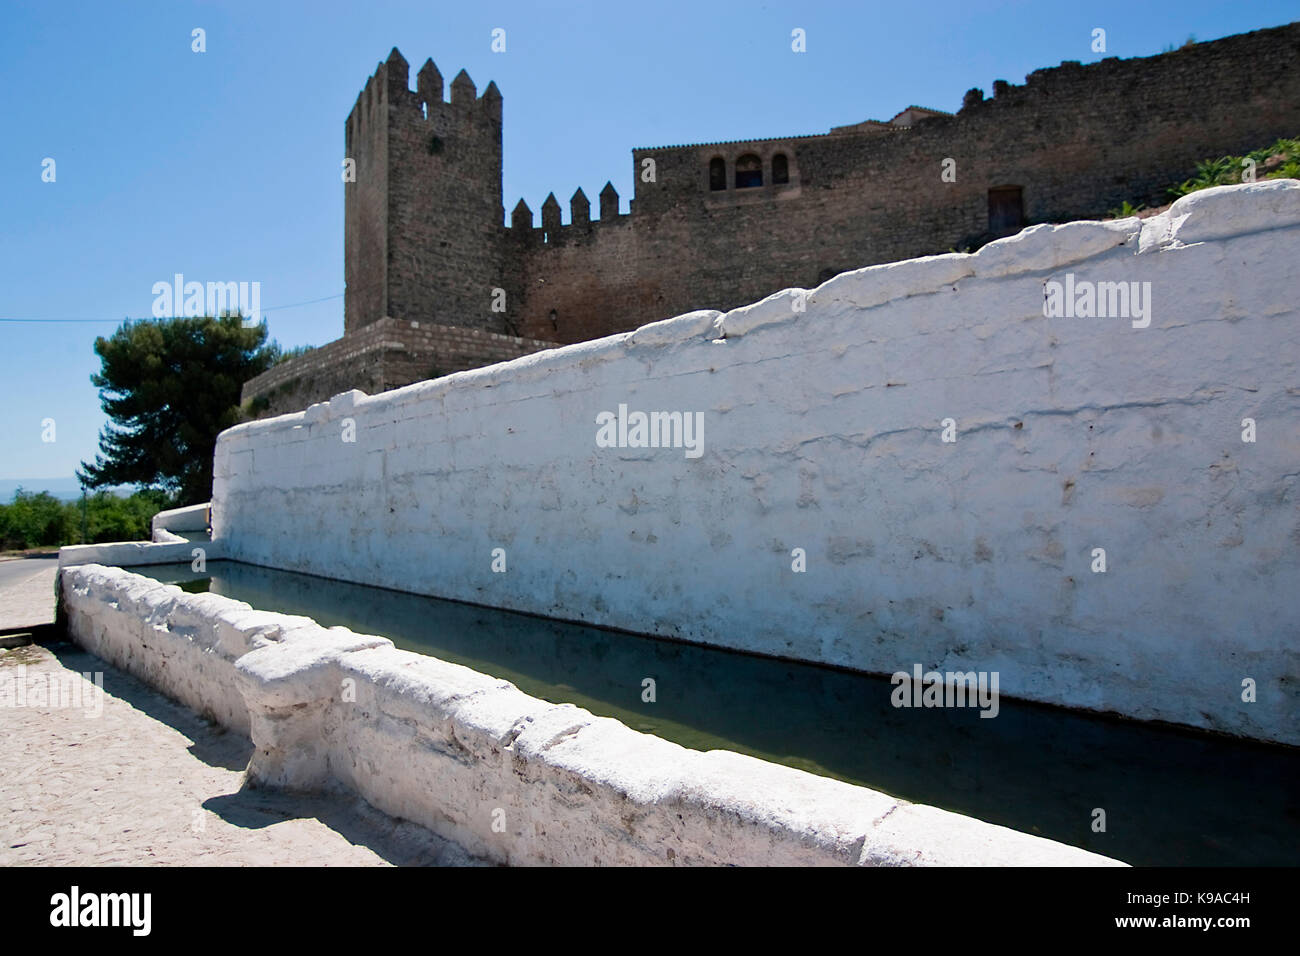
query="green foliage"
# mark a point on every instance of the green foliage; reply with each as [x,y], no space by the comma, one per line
[33,520]
[1281,160]
[169,386]
[113,518]
[38,519]
[1125,210]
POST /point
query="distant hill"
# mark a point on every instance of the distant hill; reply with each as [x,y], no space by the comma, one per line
[65,489]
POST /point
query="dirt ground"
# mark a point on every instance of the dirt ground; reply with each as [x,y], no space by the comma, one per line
[148,782]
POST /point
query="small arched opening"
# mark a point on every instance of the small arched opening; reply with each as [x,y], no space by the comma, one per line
[780,169]
[717,174]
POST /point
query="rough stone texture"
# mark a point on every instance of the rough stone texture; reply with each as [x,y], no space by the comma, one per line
[184,644]
[1078,140]
[503,775]
[382,355]
[424,215]
[146,782]
[823,432]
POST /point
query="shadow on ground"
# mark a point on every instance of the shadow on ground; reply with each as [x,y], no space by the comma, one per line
[399,842]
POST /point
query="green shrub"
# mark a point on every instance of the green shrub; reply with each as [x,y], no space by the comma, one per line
[38,519]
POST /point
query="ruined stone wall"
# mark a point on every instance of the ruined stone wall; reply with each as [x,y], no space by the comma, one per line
[823,430]
[1079,140]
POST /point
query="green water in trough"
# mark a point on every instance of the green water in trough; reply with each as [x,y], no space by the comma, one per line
[1171,797]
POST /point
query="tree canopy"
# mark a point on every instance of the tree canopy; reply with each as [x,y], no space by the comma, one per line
[169,387]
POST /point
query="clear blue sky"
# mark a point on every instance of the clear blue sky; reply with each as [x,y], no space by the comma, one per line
[225,165]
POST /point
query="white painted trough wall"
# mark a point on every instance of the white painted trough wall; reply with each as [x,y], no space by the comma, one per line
[506,776]
[822,432]
[137,553]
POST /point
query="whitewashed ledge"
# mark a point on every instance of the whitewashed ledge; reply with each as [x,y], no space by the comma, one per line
[166,524]
[506,776]
[138,553]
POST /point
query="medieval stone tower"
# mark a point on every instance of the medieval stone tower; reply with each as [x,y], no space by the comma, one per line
[423,220]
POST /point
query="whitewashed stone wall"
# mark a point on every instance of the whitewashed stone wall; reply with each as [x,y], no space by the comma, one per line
[822,431]
[166,524]
[506,776]
[164,551]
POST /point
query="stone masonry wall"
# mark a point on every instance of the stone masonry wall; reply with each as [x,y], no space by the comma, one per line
[379,356]
[429,177]
[1079,140]
[823,420]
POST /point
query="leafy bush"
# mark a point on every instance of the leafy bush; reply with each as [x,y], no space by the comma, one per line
[33,520]
[1126,210]
[38,519]
[1278,161]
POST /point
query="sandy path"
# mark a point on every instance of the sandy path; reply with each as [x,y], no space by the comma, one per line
[149,782]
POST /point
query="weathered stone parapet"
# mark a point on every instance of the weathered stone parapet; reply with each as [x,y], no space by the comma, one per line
[382,355]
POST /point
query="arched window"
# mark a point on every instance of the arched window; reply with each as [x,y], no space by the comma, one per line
[717,173]
[780,169]
[749,172]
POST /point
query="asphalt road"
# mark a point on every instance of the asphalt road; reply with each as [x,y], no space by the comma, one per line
[13,572]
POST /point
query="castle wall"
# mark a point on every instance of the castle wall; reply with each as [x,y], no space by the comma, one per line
[365,209]
[1079,140]
[823,431]
[382,355]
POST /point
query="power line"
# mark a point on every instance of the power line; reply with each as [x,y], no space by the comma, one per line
[277,308]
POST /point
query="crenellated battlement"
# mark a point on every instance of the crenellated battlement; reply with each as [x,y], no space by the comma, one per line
[553,231]
[389,87]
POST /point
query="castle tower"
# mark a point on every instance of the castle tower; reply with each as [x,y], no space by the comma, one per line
[423,220]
